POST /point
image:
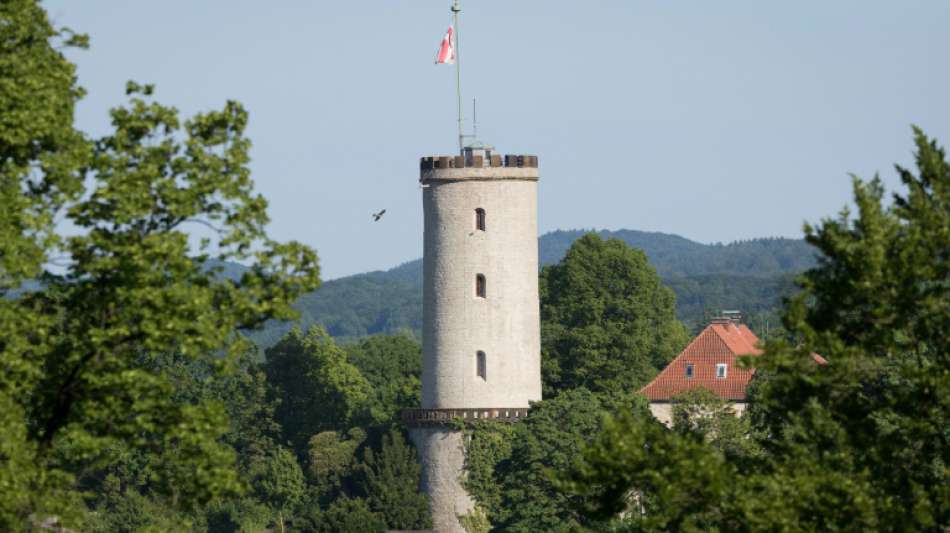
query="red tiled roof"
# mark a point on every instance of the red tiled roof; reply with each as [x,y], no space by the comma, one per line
[720,342]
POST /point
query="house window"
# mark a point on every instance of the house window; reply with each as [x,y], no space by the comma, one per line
[721,370]
[480,285]
[481,365]
[689,370]
[480,219]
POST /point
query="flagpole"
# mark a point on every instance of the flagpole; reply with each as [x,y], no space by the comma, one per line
[456,9]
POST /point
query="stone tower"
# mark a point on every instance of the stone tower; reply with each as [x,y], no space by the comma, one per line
[481,350]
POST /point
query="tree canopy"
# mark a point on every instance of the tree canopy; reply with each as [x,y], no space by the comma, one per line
[75,380]
[858,443]
[608,323]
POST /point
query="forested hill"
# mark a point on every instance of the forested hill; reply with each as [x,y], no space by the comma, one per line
[673,255]
[748,275]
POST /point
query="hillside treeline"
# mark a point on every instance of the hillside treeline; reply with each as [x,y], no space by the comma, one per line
[753,276]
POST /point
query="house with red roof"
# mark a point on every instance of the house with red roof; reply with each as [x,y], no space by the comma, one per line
[709,361]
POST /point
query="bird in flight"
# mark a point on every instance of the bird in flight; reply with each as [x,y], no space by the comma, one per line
[377,216]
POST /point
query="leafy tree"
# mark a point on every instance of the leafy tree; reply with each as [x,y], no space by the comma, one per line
[878,308]
[331,461]
[244,515]
[133,285]
[240,388]
[653,478]
[509,468]
[317,387]
[278,482]
[345,515]
[393,366]
[40,154]
[390,480]
[860,443]
[40,150]
[123,509]
[608,323]
[702,412]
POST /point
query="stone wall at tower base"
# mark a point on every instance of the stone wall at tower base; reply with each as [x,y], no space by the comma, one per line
[442,454]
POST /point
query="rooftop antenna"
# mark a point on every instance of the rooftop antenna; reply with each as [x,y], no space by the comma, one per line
[456,9]
[474,122]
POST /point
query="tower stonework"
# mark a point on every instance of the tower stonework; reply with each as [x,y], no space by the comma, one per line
[481,349]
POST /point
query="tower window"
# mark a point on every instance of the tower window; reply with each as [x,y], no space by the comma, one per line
[480,285]
[481,366]
[480,219]
[689,370]
[721,370]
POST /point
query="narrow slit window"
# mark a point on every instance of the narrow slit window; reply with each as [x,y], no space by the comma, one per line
[480,219]
[481,366]
[480,285]
[689,370]
[721,370]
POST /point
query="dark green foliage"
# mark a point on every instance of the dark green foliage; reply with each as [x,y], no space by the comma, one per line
[331,460]
[701,412]
[276,479]
[316,387]
[76,384]
[662,481]
[373,303]
[511,467]
[127,511]
[878,308]
[339,422]
[345,515]
[372,469]
[489,445]
[393,366]
[239,515]
[858,444]
[40,154]
[607,322]
[389,479]
[673,255]
[125,489]
[241,388]
[700,297]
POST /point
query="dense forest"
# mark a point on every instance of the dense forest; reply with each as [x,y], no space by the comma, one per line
[131,400]
[752,276]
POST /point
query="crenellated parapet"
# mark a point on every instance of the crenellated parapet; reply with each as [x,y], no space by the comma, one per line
[478,161]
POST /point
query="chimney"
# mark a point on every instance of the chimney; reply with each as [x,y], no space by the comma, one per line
[733,317]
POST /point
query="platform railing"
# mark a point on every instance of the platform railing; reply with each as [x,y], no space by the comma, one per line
[436,417]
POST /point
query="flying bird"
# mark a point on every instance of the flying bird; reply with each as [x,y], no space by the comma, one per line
[377,216]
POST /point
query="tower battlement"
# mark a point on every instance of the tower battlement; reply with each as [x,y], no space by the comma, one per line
[478,161]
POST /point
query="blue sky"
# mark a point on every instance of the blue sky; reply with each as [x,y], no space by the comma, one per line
[713,120]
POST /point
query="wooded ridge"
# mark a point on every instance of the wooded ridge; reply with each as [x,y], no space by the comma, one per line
[752,276]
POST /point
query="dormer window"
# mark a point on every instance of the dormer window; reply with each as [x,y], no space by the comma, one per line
[689,370]
[721,370]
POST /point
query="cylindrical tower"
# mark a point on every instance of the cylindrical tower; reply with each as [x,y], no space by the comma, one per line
[481,348]
[481,328]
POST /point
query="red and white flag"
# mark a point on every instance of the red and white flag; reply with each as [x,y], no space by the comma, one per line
[446,55]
